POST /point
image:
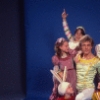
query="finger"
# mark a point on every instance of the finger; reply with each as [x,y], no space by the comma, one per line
[64,10]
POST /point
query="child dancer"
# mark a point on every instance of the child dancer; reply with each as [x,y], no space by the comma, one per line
[65,90]
[60,59]
[79,32]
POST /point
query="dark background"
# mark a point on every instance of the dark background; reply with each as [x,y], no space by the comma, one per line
[28,31]
[12,50]
[43,25]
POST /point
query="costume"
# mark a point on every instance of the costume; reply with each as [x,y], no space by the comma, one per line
[62,62]
[72,43]
[86,70]
[96,95]
[63,86]
[63,98]
[86,94]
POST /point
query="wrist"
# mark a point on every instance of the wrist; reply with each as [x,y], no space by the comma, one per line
[64,19]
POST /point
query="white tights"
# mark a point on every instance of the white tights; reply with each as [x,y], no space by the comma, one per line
[85,94]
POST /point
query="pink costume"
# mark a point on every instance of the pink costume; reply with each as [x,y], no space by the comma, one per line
[71,74]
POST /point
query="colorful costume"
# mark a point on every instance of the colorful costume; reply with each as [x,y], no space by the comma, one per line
[63,98]
[96,95]
[62,62]
[63,86]
[86,94]
[86,71]
[72,43]
[67,30]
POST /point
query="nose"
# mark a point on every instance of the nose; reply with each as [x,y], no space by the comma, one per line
[86,47]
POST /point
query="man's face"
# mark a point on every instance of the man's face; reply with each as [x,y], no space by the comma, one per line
[86,47]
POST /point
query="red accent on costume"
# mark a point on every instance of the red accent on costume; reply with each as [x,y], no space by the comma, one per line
[63,98]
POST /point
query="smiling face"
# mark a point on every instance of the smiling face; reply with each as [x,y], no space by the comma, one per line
[78,34]
[86,44]
[86,47]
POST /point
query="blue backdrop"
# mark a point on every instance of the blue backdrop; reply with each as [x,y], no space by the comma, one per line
[43,25]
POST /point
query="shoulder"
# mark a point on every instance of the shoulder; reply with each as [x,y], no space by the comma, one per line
[55,57]
[93,60]
[96,58]
[55,60]
[97,61]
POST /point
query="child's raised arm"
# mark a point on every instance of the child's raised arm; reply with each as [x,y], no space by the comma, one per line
[65,25]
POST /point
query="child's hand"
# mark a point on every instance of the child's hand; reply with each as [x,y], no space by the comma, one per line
[79,52]
[98,87]
[77,57]
[64,14]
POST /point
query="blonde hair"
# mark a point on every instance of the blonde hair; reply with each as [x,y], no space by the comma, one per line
[86,38]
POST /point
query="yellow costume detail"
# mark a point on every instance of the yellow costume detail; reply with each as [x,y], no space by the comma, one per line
[96,95]
[86,71]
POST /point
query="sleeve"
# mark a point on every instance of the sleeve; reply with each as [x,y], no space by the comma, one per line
[55,60]
[93,96]
[72,52]
[56,69]
[67,30]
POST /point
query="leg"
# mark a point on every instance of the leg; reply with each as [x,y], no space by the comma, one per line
[54,94]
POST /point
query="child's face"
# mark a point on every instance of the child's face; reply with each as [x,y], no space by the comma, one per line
[78,35]
[69,90]
[64,47]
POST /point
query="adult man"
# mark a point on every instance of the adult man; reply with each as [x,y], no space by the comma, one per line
[86,66]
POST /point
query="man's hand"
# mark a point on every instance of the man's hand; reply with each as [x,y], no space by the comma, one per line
[64,14]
